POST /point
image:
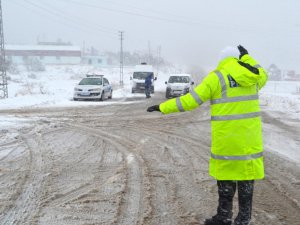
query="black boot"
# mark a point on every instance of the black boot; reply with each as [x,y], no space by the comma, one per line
[215,220]
[245,192]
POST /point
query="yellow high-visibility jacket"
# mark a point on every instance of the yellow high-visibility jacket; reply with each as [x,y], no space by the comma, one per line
[237,146]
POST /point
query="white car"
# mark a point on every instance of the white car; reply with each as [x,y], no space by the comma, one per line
[93,87]
[178,84]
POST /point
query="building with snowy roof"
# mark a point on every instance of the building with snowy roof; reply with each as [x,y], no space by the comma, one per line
[46,54]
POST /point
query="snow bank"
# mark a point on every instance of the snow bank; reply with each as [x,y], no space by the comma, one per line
[283,96]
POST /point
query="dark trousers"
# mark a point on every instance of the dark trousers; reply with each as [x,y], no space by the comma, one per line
[226,190]
[147,90]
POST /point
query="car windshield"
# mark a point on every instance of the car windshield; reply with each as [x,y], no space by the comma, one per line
[91,81]
[141,75]
[179,79]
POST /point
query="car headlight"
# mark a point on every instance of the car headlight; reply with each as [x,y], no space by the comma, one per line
[77,89]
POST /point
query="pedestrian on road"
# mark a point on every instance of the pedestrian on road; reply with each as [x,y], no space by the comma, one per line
[237,148]
[148,85]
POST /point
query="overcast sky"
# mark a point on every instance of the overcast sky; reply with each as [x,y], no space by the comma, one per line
[188,32]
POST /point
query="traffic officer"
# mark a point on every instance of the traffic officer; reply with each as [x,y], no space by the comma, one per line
[148,84]
[237,148]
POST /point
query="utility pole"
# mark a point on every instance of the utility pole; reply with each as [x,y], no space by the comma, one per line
[3,78]
[149,52]
[158,59]
[121,58]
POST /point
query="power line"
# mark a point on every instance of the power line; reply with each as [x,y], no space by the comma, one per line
[144,9]
[203,24]
[54,13]
[134,14]
[79,19]
[56,18]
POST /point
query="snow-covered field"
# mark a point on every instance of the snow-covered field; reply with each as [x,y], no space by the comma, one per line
[54,87]
[282,96]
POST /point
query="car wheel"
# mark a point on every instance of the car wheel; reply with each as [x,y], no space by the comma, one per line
[102,96]
[168,94]
[110,96]
[75,99]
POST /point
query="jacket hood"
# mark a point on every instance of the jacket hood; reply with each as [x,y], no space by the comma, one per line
[240,74]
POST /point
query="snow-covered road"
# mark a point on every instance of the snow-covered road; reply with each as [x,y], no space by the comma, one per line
[117,164]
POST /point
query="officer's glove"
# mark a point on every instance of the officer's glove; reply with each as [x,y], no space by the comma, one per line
[153,108]
[242,50]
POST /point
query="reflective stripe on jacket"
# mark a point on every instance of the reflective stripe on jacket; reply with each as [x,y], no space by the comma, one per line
[237,148]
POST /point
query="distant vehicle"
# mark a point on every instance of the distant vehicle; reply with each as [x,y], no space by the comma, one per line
[93,87]
[138,78]
[178,84]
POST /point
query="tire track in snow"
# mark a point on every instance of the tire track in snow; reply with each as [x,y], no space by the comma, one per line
[131,201]
[185,183]
[70,197]
[27,204]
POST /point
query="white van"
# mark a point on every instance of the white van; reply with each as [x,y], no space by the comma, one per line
[138,77]
[178,84]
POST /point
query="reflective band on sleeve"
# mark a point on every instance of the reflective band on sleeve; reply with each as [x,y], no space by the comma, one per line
[257,66]
[234,99]
[236,117]
[196,97]
[223,83]
[242,157]
[179,105]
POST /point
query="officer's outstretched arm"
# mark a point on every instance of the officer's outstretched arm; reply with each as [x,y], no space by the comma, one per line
[193,99]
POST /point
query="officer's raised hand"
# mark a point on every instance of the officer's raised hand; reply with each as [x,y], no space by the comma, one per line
[153,108]
[242,50]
